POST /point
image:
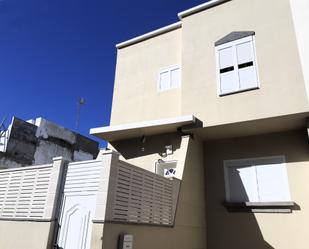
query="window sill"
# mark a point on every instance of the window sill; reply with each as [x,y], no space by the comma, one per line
[239,91]
[260,207]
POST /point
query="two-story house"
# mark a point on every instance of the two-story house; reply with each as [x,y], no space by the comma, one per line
[210,126]
[226,90]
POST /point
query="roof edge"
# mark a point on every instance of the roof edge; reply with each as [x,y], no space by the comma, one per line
[201,7]
[149,35]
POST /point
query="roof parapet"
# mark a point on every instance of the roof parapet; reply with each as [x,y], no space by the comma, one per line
[149,35]
[200,7]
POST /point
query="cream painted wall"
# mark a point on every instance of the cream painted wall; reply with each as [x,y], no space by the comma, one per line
[282,88]
[258,231]
[22,235]
[300,12]
[281,69]
[145,155]
[137,72]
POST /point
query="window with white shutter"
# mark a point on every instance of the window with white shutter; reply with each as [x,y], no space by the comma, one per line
[236,65]
[169,78]
[257,180]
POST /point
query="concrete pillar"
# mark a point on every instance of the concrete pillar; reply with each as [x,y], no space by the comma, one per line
[109,158]
[55,185]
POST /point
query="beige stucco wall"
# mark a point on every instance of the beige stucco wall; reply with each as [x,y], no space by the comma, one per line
[189,231]
[25,234]
[137,73]
[300,13]
[258,231]
[280,66]
[282,89]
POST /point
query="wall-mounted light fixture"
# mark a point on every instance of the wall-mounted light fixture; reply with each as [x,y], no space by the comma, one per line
[169,149]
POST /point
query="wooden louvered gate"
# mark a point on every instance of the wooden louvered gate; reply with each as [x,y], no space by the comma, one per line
[79,200]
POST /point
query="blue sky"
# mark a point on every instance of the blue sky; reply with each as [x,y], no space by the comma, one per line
[54,51]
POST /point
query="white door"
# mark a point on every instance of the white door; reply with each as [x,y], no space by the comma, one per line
[78,205]
[76,221]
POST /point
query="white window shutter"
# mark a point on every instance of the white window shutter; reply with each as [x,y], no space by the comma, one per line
[175,78]
[226,57]
[247,75]
[273,182]
[164,80]
[245,52]
[228,80]
[242,184]
[236,65]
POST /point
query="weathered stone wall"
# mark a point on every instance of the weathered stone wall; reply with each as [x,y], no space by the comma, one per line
[37,142]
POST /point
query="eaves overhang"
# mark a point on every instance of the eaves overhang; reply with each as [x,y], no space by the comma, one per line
[146,128]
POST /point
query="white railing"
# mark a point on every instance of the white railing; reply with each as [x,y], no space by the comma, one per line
[136,195]
[24,192]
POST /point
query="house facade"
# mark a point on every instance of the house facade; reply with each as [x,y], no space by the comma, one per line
[240,68]
[208,143]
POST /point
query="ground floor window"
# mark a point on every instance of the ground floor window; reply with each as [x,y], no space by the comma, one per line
[256,180]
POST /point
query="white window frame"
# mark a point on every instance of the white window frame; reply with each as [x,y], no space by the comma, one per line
[255,65]
[169,69]
[251,162]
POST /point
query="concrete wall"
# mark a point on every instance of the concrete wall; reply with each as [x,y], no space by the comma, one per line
[258,231]
[137,73]
[282,89]
[190,223]
[25,234]
[38,142]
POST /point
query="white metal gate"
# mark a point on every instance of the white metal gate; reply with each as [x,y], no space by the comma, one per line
[79,201]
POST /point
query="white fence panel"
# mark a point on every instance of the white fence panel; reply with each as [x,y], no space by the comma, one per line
[83,176]
[23,192]
[139,196]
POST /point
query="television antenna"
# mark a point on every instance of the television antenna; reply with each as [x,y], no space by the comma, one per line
[80,103]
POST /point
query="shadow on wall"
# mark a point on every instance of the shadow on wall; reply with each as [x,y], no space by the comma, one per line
[242,230]
[143,146]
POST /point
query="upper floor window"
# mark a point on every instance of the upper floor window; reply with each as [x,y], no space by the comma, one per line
[236,63]
[169,78]
[257,180]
